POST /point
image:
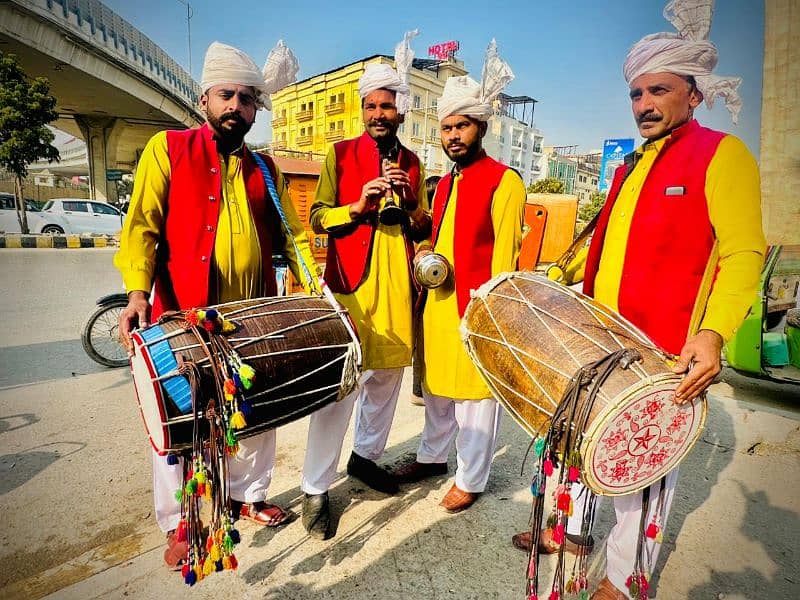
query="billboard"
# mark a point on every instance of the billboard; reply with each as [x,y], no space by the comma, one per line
[613,153]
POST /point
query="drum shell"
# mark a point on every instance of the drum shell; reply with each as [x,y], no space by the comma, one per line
[528,336]
[300,347]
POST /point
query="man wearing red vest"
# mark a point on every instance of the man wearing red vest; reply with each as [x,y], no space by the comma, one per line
[201,229]
[478,215]
[368,268]
[677,250]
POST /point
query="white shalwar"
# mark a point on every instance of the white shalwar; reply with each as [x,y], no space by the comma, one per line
[377,398]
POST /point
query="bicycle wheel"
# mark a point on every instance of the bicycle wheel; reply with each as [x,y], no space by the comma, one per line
[100,335]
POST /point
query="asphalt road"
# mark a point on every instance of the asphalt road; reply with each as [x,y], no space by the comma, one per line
[75,490]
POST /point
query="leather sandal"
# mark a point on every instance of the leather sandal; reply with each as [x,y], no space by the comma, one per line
[268,515]
[176,553]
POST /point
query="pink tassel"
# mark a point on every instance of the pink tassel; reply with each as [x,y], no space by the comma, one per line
[548,467]
[558,534]
[573,474]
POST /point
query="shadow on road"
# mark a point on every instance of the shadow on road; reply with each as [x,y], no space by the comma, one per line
[20,467]
[23,365]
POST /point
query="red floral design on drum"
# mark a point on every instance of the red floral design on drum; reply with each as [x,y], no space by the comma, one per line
[645,438]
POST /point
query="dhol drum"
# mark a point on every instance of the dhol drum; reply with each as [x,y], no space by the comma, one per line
[304,351]
[528,336]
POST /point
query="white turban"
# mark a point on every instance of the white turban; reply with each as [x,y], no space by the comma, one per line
[226,64]
[379,76]
[687,53]
[463,95]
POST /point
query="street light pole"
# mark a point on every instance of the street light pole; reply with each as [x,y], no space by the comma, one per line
[189,14]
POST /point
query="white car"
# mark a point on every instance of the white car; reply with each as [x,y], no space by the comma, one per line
[37,222]
[84,216]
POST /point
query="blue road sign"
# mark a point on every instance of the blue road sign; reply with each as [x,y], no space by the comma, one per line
[613,153]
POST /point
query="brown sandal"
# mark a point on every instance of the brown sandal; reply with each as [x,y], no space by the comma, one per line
[268,515]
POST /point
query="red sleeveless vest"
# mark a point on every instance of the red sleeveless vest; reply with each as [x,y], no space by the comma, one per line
[186,246]
[474,234]
[357,162]
[670,240]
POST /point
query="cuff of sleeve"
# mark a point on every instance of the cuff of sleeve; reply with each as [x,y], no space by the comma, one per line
[137,281]
[720,326]
[336,217]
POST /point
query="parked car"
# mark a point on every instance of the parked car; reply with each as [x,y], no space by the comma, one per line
[37,221]
[85,216]
[768,342]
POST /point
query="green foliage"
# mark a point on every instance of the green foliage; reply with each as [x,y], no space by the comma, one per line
[588,211]
[550,185]
[25,108]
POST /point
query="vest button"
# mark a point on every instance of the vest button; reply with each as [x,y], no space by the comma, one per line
[211,198]
[209,228]
[203,258]
[213,170]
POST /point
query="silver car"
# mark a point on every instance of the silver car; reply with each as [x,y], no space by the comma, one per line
[84,216]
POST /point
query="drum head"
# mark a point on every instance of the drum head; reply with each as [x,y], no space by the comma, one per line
[640,437]
[149,395]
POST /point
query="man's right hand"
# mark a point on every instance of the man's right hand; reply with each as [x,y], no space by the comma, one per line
[137,313]
[371,195]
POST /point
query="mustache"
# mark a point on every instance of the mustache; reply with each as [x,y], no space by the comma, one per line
[649,117]
[232,117]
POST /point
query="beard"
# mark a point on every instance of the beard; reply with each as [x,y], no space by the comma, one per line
[465,155]
[230,128]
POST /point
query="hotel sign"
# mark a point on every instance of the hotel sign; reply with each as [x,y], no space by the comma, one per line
[444,50]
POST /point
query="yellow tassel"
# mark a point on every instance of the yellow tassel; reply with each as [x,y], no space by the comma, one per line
[208,566]
[219,536]
[199,572]
[237,420]
[207,495]
[200,476]
[229,397]
[226,563]
[201,315]
[228,326]
[571,508]
[214,553]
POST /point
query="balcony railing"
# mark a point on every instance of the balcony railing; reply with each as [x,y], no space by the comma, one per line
[334,107]
[305,115]
[279,145]
[332,136]
[279,121]
[305,140]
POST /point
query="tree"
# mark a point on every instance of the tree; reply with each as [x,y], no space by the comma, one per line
[588,211]
[550,185]
[25,108]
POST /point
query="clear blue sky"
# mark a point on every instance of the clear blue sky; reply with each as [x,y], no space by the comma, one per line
[566,53]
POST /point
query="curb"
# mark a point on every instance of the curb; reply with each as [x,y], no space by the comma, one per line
[57,241]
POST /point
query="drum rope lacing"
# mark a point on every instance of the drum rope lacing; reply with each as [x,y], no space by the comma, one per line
[561,444]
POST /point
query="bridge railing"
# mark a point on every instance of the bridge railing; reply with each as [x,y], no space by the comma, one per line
[107,30]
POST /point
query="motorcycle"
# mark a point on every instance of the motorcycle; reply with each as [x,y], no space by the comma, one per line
[100,334]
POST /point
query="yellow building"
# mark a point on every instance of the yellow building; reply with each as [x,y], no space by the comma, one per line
[310,115]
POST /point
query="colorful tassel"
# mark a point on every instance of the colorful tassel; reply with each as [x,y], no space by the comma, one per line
[237,420]
[179,495]
[226,563]
[208,567]
[573,474]
[538,446]
[185,570]
[245,407]
[180,532]
[190,578]
[230,437]
[172,459]
[563,501]
[218,565]
[558,534]
[234,562]
[191,317]
[547,467]
[235,536]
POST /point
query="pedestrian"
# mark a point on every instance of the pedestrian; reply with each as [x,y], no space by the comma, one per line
[677,250]
[478,216]
[368,268]
[201,229]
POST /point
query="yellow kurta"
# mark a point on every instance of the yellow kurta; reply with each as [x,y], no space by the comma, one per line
[236,266]
[381,306]
[449,371]
[734,208]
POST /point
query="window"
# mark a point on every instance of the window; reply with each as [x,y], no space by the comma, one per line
[434,133]
[340,125]
[310,106]
[415,130]
[434,103]
[402,128]
[303,106]
[417,102]
[331,126]
[333,99]
[76,206]
[104,209]
[340,97]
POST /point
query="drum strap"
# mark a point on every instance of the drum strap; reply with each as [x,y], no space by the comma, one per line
[273,192]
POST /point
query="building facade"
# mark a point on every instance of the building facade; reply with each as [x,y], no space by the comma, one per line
[311,115]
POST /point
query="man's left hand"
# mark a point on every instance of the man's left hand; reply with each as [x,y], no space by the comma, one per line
[703,353]
[402,185]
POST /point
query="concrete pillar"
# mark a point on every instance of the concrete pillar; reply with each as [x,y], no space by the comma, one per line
[101,135]
[780,125]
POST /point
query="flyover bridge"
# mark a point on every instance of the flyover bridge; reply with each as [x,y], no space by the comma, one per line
[114,87]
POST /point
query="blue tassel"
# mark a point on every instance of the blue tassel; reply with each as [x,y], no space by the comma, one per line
[237,380]
[218,565]
[245,407]
[211,314]
[235,536]
[172,459]
[191,578]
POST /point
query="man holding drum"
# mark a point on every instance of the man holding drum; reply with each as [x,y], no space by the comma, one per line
[201,230]
[678,248]
[369,250]
[478,213]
